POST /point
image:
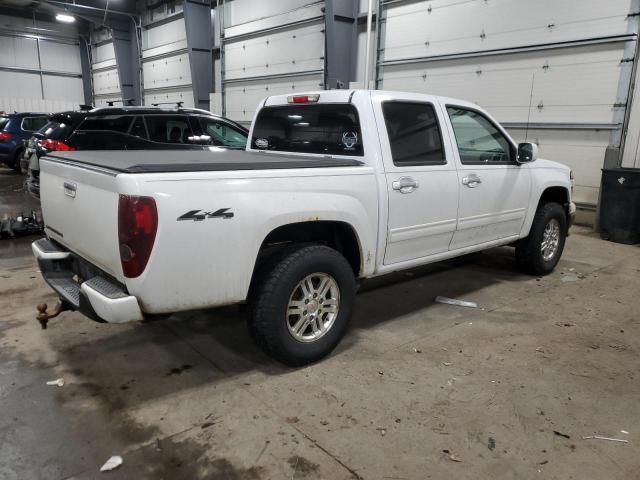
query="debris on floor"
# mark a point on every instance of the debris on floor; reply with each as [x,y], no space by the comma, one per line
[560,434]
[598,437]
[58,382]
[111,464]
[491,443]
[454,301]
[452,456]
[12,227]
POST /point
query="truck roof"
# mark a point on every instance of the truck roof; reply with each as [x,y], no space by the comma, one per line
[345,96]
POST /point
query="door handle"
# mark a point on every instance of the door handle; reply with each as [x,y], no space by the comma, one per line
[472,181]
[405,185]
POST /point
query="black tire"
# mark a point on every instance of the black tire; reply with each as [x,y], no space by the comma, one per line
[529,256]
[272,288]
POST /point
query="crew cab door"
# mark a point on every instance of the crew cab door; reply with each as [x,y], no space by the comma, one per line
[494,190]
[421,178]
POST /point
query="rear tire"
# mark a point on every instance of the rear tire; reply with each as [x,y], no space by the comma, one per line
[17,156]
[301,303]
[539,253]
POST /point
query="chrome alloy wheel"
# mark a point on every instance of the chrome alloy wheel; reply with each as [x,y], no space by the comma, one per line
[550,240]
[313,307]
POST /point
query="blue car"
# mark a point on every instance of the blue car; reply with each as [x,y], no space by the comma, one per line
[15,131]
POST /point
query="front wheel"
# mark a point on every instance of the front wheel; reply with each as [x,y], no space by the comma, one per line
[540,252]
[301,304]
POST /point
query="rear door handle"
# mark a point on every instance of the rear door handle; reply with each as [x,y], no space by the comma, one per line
[405,185]
[472,180]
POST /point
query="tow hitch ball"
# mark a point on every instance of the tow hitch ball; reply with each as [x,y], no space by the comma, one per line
[43,316]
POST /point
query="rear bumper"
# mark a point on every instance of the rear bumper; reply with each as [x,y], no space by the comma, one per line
[99,297]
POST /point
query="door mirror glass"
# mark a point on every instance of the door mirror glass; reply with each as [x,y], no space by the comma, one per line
[527,152]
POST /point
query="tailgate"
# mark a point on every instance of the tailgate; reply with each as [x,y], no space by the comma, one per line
[80,211]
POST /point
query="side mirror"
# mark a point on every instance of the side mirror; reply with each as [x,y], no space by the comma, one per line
[527,153]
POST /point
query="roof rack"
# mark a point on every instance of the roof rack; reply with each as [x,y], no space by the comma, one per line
[84,107]
[129,102]
[177,104]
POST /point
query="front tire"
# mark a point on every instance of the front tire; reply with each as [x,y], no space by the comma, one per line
[540,252]
[301,304]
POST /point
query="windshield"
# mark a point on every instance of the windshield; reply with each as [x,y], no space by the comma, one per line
[329,129]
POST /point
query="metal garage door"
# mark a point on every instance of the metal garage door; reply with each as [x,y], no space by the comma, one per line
[270,48]
[560,67]
[165,68]
[104,71]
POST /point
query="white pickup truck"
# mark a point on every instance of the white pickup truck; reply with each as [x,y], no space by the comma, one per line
[335,186]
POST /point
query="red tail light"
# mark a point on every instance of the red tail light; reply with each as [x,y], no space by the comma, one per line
[56,146]
[5,136]
[313,98]
[137,226]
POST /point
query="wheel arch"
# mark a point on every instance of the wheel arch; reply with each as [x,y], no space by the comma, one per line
[336,234]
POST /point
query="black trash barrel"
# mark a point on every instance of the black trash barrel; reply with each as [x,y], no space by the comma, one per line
[620,205]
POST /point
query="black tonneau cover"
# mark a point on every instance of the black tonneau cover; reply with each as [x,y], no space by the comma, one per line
[157,161]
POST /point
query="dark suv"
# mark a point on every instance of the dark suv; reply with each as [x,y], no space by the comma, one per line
[15,130]
[130,128]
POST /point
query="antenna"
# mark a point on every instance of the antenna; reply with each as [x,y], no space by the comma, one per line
[533,81]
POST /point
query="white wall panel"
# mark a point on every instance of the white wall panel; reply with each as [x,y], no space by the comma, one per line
[167,72]
[243,11]
[60,57]
[242,97]
[163,34]
[102,53]
[106,82]
[276,53]
[18,52]
[449,26]
[63,88]
[104,101]
[178,95]
[21,85]
[11,104]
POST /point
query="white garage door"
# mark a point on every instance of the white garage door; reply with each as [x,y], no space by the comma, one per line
[270,48]
[560,66]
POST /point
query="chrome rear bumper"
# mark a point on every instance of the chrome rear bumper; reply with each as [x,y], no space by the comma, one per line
[99,297]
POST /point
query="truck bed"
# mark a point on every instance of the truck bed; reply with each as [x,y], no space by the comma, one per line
[155,161]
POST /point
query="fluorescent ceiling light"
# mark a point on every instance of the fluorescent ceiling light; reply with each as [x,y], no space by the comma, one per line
[64,18]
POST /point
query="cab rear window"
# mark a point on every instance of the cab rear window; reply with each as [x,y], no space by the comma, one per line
[329,129]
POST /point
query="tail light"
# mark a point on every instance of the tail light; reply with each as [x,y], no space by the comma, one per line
[5,136]
[56,146]
[303,98]
[137,226]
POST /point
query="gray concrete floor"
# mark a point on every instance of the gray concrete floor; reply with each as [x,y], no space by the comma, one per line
[191,396]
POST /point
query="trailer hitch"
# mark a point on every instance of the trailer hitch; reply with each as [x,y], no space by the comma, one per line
[43,316]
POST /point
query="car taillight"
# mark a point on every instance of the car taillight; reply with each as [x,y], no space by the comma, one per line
[56,145]
[137,226]
[5,136]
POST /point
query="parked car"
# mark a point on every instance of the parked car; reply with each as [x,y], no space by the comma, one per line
[335,186]
[130,128]
[15,130]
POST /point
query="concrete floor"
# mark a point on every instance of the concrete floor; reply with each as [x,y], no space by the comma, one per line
[191,397]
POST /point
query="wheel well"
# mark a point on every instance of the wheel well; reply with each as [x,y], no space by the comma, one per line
[555,194]
[337,235]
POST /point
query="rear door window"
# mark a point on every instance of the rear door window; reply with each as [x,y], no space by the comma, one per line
[414,134]
[168,128]
[3,122]
[329,129]
[33,124]
[113,123]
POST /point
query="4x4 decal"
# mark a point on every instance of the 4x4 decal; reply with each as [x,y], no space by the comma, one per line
[197,215]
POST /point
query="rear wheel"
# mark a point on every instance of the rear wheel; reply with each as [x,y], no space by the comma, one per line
[301,304]
[16,160]
[540,252]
